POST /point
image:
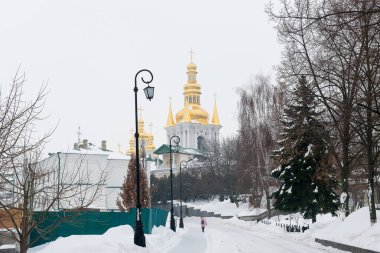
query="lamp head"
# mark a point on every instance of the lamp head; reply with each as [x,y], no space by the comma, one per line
[149,92]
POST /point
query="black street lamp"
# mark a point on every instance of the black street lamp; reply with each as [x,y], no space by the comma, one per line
[183,164]
[139,237]
[176,140]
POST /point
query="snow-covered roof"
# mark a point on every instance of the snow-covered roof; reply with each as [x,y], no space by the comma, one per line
[165,149]
[118,156]
[95,150]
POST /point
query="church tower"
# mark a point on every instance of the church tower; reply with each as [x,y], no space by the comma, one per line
[146,139]
[192,122]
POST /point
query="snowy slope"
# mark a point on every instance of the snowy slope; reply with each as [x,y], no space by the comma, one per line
[225,208]
[354,230]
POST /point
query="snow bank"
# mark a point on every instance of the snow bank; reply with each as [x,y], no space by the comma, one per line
[355,230]
[115,240]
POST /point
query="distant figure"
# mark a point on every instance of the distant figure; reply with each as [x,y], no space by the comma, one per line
[203,223]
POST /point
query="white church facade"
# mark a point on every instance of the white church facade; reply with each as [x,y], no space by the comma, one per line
[191,124]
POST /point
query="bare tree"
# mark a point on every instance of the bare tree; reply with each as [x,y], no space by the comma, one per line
[27,184]
[330,52]
[324,13]
[366,118]
[258,107]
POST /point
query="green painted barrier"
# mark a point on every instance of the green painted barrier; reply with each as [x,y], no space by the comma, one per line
[62,224]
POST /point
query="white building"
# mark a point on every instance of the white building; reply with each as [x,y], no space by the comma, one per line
[91,159]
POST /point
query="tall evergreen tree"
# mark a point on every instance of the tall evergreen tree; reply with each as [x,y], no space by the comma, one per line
[127,196]
[308,180]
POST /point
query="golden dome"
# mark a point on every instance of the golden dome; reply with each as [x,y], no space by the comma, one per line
[132,148]
[196,114]
[150,145]
[192,91]
[145,138]
[191,66]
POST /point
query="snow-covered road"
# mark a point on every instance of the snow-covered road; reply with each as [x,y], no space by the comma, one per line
[221,236]
[225,236]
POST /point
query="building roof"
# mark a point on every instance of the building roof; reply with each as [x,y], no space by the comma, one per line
[165,149]
[94,150]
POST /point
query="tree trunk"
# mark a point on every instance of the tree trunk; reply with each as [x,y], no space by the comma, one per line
[346,163]
[268,204]
[372,206]
[371,169]
[25,225]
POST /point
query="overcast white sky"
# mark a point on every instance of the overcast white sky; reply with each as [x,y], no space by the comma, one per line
[89,52]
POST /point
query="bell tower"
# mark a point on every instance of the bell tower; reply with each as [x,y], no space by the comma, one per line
[191,123]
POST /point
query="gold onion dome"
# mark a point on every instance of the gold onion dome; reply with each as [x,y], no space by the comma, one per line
[144,137]
[150,145]
[132,148]
[192,91]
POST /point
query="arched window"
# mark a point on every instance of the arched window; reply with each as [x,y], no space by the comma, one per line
[191,99]
[201,144]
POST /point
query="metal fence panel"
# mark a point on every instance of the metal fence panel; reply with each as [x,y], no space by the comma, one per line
[62,224]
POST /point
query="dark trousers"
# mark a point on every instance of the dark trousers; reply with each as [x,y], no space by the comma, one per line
[203,229]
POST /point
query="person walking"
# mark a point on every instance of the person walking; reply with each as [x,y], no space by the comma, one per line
[203,223]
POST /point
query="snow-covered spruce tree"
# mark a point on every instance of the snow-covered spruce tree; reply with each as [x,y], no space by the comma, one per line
[307,178]
[127,196]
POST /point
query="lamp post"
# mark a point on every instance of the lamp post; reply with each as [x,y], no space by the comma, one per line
[176,140]
[183,164]
[139,238]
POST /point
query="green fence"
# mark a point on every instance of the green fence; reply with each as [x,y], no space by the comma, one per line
[52,225]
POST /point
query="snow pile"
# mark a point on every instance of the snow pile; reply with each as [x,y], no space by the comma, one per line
[355,230]
[8,246]
[115,240]
[225,208]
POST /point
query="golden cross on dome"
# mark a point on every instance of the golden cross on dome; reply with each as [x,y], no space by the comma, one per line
[140,111]
[191,55]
